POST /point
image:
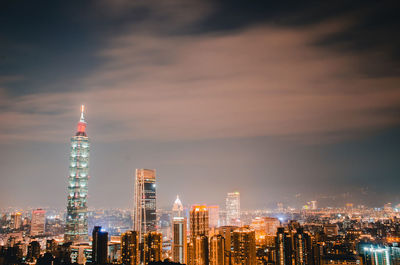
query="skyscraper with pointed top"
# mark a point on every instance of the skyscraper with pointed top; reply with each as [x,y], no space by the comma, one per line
[177,209]
[76,229]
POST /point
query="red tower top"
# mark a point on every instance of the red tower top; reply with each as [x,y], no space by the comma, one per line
[81,124]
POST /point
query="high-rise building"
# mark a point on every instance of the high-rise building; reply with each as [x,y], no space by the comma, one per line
[199,226]
[283,248]
[179,240]
[144,216]
[313,205]
[177,209]
[217,250]
[76,229]
[233,208]
[271,225]
[16,220]
[38,222]
[302,247]
[199,220]
[213,213]
[244,246]
[130,248]
[201,250]
[99,246]
[152,247]
[227,232]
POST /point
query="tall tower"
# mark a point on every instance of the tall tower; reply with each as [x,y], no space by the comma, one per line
[144,208]
[233,208]
[76,228]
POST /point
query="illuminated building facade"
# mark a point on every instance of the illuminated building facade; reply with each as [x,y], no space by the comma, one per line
[81,253]
[217,250]
[38,222]
[233,208]
[227,233]
[152,247]
[130,248]
[380,255]
[76,229]
[271,225]
[314,205]
[177,209]
[244,246]
[16,220]
[179,240]
[283,247]
[144,216]
[199,226]
[302,247]
[201,250]
[199,220]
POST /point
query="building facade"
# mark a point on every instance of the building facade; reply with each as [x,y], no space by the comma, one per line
[38,222]
[99,246]
[233,208]
[76,229]
[144,215]
[217,250]
[130,248]
[152,247]
[179,240]
[244,246]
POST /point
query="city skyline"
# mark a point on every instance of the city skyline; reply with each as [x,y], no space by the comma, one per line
[280,104]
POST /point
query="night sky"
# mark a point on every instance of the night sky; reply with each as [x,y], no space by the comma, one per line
[284,101]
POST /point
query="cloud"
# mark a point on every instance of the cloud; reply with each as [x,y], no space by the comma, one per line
[259,81]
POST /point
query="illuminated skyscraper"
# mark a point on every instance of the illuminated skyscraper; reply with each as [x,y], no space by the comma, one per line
[283,247]
[227,234]
[144,215]
[38,222]
[16,220]
[217,250]
[271,225]
[201,250]
[152,247]
[179,240]
[199,229]
[302,247]
[177,209]
[199,223]
[233,208]
[76,228]
[130,248]
[244,246]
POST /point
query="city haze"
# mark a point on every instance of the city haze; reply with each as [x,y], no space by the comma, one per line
[282,104]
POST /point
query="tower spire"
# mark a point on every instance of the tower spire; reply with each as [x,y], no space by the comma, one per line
[82,113]
[82,123]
